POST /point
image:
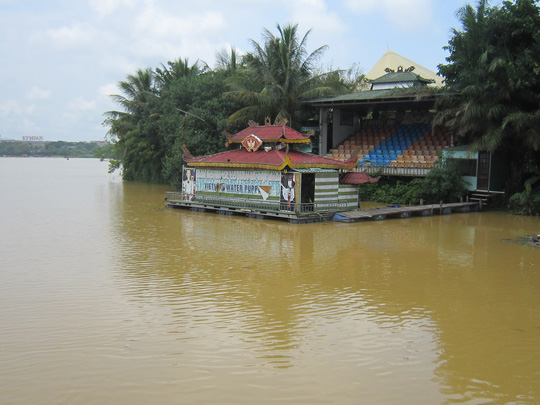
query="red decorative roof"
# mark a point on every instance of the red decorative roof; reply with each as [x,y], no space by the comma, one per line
[272,160]
[358,178]
[271,133]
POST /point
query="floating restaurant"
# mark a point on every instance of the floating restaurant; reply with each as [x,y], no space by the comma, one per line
[268,173]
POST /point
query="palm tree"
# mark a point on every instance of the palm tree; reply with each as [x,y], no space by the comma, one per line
[134,131]
[136,91]
[176,69]
[493,80]
[279,75]
[228,61]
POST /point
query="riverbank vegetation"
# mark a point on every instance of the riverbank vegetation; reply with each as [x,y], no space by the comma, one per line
[491,97]
[181,103]
[56,149]
[490,101]
[441,184]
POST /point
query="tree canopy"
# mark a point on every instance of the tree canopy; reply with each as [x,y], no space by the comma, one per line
[182,103]
[279,75]
[492,78]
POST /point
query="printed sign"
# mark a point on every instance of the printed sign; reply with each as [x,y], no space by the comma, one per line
[288,191]
[189,183]
[250,183]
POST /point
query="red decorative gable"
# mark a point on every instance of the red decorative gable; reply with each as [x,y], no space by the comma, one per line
[272,160]
[271,133]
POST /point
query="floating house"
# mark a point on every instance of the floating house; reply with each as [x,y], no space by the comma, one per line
[265,173]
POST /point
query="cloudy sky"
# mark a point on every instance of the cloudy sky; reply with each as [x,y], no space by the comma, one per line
[60,59]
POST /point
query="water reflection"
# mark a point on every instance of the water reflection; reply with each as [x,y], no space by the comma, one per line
[441,302]
[108,297]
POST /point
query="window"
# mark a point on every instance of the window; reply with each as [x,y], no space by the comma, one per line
[346,117]
[465,167]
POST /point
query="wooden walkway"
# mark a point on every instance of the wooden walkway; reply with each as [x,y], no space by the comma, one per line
[405,212]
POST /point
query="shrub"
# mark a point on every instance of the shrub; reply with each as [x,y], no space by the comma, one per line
[441,184]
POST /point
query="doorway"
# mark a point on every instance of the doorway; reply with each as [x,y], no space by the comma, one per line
[484,167]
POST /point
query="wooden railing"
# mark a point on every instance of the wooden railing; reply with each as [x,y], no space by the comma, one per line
[396,171]
[244,204]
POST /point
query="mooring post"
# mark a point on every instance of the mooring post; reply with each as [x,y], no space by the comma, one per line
[440,208]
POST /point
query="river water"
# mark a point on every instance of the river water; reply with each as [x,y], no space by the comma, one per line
[108,297]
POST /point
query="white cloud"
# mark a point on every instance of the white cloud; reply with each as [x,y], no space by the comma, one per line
[105,7]
[160,24]
[119,64]
[409,15]
[81,104]
[10,107]
[36,93]
[29,127]
[71,36]
[108,89]
[169,35]
[315,13]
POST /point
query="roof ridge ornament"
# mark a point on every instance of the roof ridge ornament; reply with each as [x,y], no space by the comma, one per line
[252,123]
[252,142]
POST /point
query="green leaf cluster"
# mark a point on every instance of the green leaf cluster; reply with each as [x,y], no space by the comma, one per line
[492,77]
[527,202]
[441,184]
[181,103]
[163,109]
[280,75]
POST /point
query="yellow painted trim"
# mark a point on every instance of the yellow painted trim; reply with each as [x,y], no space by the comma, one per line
[239,165]
[286,162]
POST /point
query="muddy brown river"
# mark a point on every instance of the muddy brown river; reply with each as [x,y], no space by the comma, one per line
[108,297]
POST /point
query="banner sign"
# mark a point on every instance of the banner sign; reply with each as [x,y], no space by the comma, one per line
[247,182]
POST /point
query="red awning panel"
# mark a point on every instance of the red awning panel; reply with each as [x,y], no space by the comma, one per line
[273,157]
[270,133]
[358,178]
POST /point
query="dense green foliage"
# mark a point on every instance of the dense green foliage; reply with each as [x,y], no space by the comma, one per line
[54,149]
[163,109]
[493,74]
[278,75]
[178,103]
[441,184]
[527,202]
